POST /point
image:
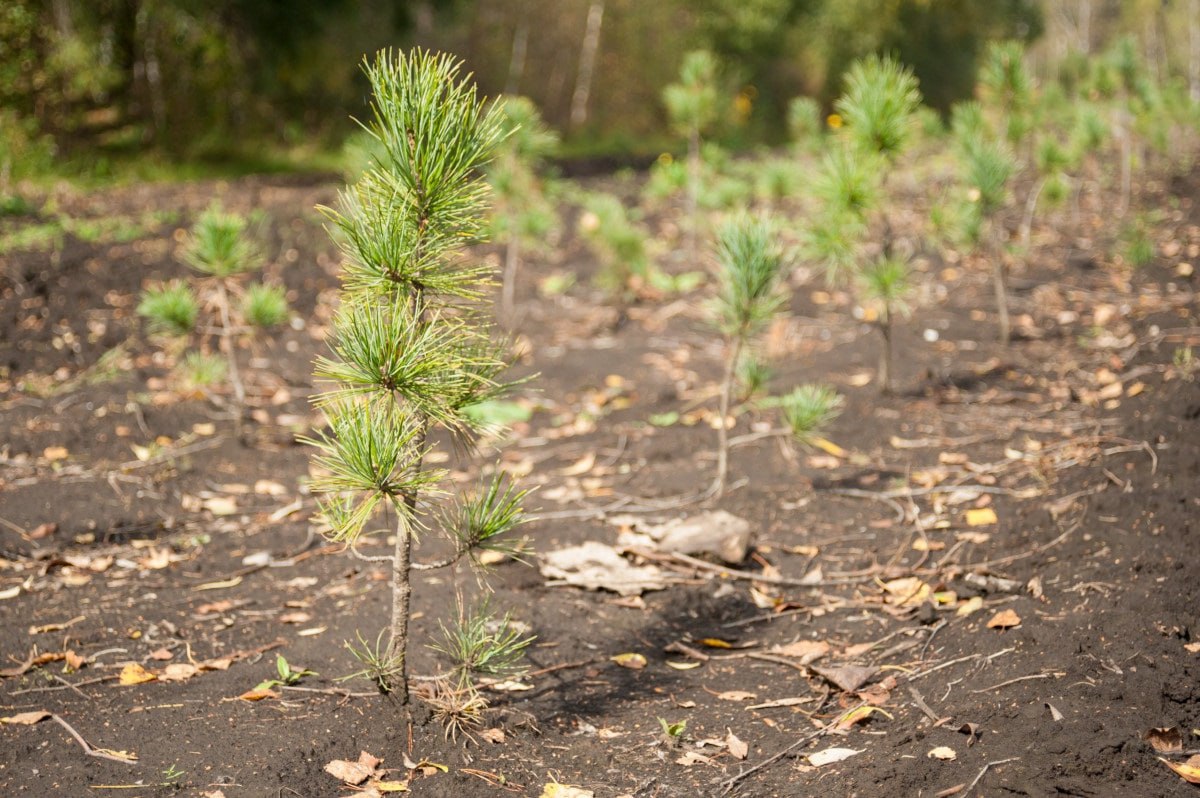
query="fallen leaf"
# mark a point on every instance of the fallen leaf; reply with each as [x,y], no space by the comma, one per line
[221,505]
[682,666]
[805,651]
[352,773]
[1192,648]
[135,674]
[973,604]
[736,746]
[53,453]
[10,592]
[1005,619]
[390,786]
[295,617]
[847,677]
[258,694]
[906,591]
[26,718]
[493,735]
[736,695]
[828,756]
[43,530]
[829,447]
[580,466]
[178,672]
[161,654]
[982,516]
[715,642]
[943,752]
[782,702]
[633,661]
[859,715]
[1189,771]
[1167,740]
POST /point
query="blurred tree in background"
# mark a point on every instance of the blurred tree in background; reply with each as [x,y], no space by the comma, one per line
[215,78]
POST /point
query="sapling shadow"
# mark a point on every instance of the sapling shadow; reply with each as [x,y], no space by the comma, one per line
[411,348]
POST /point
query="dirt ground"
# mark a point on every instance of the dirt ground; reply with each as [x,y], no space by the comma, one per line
[996,564]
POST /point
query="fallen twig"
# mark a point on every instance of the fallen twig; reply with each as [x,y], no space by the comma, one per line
[984,770]
[732,573]
[1043,675]
[88,748]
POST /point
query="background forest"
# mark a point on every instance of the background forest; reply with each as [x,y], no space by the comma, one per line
[93,82]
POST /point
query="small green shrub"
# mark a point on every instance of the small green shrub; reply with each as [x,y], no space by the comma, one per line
[809,409]
[265,305]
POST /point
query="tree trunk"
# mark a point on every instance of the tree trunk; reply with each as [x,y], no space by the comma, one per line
[516,63]
[227,346]
[587,64]
[693,194]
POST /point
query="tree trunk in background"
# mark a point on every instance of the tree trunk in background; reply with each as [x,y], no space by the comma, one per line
[587,64]
[1194,50]
[516,64]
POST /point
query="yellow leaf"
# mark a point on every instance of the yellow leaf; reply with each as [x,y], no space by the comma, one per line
[633,661]
[55,453]
[969,606]
[828,446]
[556,790]
[858,715]
[981,517]
[716,642]
[135,674]
[907,590]
[682,666]
[1189,771]
[390,786]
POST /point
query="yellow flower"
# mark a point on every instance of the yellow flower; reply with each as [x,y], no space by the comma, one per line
[834,121]
[666,159]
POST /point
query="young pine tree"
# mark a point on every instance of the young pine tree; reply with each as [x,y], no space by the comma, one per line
[748,296]
[692,107]
[410,348]
[879,107]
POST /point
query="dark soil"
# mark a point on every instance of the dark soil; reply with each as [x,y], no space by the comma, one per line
[1094,490]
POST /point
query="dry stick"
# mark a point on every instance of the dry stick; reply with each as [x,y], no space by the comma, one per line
[1044,675]
[73,685]
[985,770]
[734,574]
[87,747]
[330,691]
[731,782]
[718,486]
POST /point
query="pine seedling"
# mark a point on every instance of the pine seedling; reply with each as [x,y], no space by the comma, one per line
[522,215]
[410,348]
[479,644]
[1006,86]
[804,122]
[879,105]
[748,296]
[620,244]
[198,371]
[170,308]
[987,168]
[808,409]
[264,306]
[692,107]
[887,282]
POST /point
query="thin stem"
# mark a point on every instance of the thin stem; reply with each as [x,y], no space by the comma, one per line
[226,338]
[693,191]
[1030,207]
[512,259]
[401,599]
[735,352]
[998,284]
[885,353]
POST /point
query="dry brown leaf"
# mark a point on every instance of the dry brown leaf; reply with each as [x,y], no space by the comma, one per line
[849,678]
[53,453]
[736,746]
[689,758]
[26,718]
[805,651]
[1166,740]
[736,695]
[178,672]
[1189,771]
[134,673]
[1005,619]
[258,694]
[633,661]
[352,773]
[493,735]
[973,604]
[295,617]
[580,466]
[43,530]
[161,654]
[944,753]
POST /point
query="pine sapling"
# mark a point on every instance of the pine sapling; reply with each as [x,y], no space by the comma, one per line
[887,282]
[411,348]
[692,107]
[748,296]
